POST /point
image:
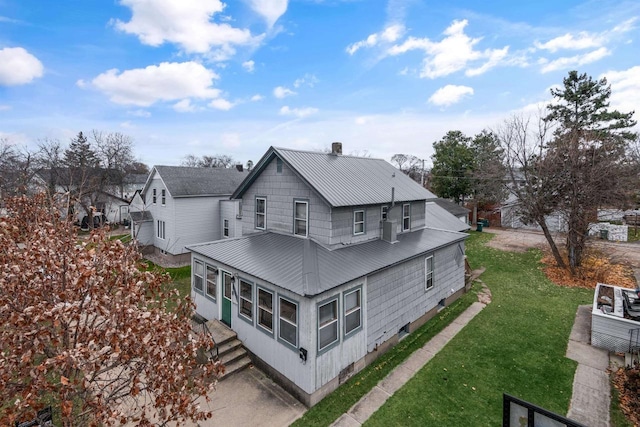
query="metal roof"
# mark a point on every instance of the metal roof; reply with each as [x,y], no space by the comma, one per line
[438,217]
[451,207]
[344,180]
[307,268]
[183,181]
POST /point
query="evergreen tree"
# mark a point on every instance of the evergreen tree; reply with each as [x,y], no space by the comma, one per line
[80,154]
[453,164]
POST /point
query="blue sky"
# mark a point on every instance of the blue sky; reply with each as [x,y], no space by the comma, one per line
[206,77]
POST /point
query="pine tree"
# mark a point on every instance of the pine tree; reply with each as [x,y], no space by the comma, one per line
[80,154]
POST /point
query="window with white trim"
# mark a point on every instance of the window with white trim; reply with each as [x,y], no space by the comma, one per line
[265,309]
[327,324]
[225,228]
[300,221]
[261,213]
[155,195]
[212,281]
[288,325]
[352,311]
[384,211]
[160,229]
[428,272]
[164,196]
[246,299]
[406,217]
[198,269]
[358,222]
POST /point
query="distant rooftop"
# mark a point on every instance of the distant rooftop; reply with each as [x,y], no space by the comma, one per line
[182,181]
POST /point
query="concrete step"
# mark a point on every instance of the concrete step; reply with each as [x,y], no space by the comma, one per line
[235,366]
[228,347]
[231,356]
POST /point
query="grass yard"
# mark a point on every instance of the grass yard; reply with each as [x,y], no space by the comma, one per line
[515,345]
[180,279]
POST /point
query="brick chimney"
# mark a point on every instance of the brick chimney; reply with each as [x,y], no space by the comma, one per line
[336,148]
[239,167]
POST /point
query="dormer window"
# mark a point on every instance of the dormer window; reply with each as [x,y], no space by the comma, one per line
[406,217]
[261,213]
[384,212]
[358,222]
[300,221]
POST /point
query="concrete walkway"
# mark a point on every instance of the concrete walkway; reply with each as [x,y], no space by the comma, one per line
[591,391]
[373,400]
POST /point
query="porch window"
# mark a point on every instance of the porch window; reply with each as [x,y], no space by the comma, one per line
[428,273]
[358,222]
[164,197]
[225,228]
[246,299]
[352,311]
[301,215]
[212,282]
[265,309]
[197,276]
[155,195]
[261,213]
[288,326]
[406,217]
[327,324]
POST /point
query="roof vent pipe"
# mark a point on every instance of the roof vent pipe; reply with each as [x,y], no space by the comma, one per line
[393,196]
[336,148]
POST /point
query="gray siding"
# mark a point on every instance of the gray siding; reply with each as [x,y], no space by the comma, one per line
[342,221]
[230,210]
[197,220]
[281,189]
[396,296]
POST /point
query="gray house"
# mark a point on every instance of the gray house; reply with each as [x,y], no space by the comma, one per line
[180,206]
[334,265]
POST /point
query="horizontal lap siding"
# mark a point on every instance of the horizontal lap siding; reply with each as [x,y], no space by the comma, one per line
[281,189]
[197,220]
[229,210]
[611,332]
[164,213]
[396,296]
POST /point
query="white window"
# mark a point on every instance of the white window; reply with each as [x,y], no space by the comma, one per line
[406,217]
[225,228]
[198,269]
[261,213]
[301,215]
[384,211]
[212,281]
[164,197]
[327,324]
[246,299]
[288,326]
[428,273]
[358,222]
[265,309]
[155,195]
[160,229]
[352,311]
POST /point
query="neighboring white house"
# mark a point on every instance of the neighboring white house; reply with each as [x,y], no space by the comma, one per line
[456,210]
[335,264]
[181,206]
[510,217]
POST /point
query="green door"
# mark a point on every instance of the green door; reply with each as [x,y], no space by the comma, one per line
[226,298]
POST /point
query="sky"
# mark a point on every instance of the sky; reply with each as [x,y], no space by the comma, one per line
[208,77]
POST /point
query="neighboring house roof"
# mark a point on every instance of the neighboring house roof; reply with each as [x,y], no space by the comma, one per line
[438,217]
[343,180]
[307,268]
[451,207]
[136,179]
[182,181]
[140,216]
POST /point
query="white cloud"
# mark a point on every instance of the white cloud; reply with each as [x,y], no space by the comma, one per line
[168,81]
[5,107]
[257,97]
[140,113]
[270,10]
[18,67]
[230,140]
[574,61]
[453,53]
[449,95]
[389,34]
[249,66]
[221,104]
[583,40]
[187,23]
[298,112]
[127,125]
[282,92]
[184,106]
[625,89]
[306,80]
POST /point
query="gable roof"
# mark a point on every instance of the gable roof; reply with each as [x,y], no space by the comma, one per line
[438,217]
[343,180]
[183,181]
[451,207]
[307,268]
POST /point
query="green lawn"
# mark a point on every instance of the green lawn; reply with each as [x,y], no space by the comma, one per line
[180,279]
[515,345]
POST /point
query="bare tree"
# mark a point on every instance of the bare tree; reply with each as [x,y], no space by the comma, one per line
[206,161]
[17,168]
[85,330]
